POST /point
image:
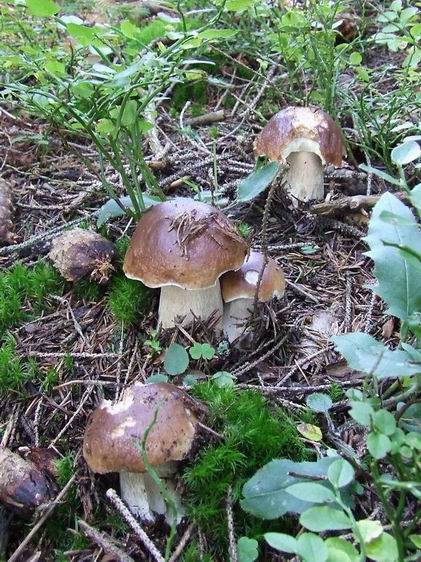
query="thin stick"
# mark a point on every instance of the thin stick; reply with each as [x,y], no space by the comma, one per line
[48,511]
[123,510]
[105,542]
[231,533]
[182,544]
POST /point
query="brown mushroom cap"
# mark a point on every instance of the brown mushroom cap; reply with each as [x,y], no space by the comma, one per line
[242,284]
[114,434]
[185,243]
[276,141]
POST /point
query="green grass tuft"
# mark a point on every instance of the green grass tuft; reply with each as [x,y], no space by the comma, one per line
[127,299]
[14,372]
[254,433]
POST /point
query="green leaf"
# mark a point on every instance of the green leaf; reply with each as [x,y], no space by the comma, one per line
[247,549]
[384,422]
[311,548]
[363,353]
[257,182]
[129,115]
[415,539]
[355,58]
[310,432]
[340,473]
[202,351]
[223,379]
[406,152]
[369,530]
[282,542]
[129,29]
[112,209]
[42,8]
[378,444]
[176,359]
[159,377]
[362,412]
[265,495]
[343,546]
[398,280]
[312,492]
[319,402]
[218,33]
[84,35]
[380,174]
[383,549]
[190,380]
[55,67]
[325,518]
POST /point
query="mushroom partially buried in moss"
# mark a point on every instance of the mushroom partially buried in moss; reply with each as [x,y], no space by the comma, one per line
[78,253]
[184,246]
[115,433]
[306,139]
[239,289]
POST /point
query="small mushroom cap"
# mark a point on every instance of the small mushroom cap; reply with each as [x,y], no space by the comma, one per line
[242,284]
[115,432]
[185,243]
[301,129]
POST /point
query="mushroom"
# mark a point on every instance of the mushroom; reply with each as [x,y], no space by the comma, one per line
[306,139]
[23,487]
[184,246]
[114,437]
[239,289]
[78,253]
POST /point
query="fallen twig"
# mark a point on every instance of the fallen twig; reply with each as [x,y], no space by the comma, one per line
[105,542]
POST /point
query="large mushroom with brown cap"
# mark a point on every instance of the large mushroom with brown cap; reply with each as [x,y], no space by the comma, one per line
[239,290]
[114,437]
[184,246]
[306,139]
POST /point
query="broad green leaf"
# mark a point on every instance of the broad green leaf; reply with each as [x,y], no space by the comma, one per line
[238,5]
[112,209]
[223,379]
[129,115]
[319,402]
[362,412]
[202,351]
[325,518]
[335,555]
[282,542]
[190,381]
[413,440]
[355,58]
[129,29]
[406,153]
[84,35]
[340,473]
[398,280]
[218,33]
[344,546]
[369,530]
[310,431]
[363,353]
[384,422]
[247,549]
[415,539]
[159,377]
[311,548]
[380,174]
[265,496]
[83,90]
[42,8]
[311,491]
[383,549]
[176,359]
[55,67]
[257,182]
[378,444]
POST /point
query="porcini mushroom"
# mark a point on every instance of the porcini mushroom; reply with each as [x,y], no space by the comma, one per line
[78,253]
[239,289]
[23,487]
[115,433]
[306,139]
[184,246]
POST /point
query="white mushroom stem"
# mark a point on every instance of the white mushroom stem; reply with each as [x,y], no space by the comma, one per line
[189,303]
[236,315]
[143,495]
[304,179]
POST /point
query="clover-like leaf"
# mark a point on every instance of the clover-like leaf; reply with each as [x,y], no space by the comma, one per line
[176,359]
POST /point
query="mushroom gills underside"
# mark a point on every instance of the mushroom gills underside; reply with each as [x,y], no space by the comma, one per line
[304,178]
[144,497]
[236,316]
[176,302]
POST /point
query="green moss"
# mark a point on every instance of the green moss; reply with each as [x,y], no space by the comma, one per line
[127,299]
[14,371]
[23,289]
[254,433]
[88,290]
[192,554]
[336,392]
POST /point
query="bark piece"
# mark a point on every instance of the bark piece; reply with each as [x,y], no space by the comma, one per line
[6,213]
